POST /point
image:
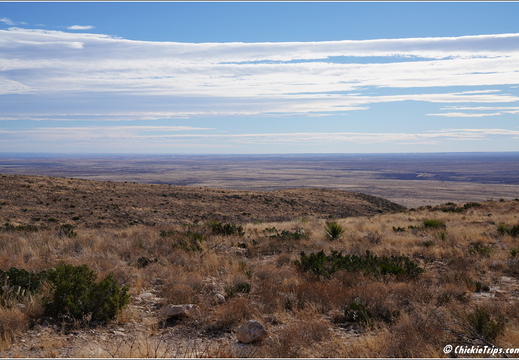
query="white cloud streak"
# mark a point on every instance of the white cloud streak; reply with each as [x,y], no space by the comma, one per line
[459,114]
[171,135]
[80,27]
[7,21]
[253,78]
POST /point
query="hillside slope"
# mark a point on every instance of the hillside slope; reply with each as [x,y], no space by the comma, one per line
[44,201]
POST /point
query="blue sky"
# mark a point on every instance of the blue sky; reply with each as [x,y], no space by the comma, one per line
[258,77]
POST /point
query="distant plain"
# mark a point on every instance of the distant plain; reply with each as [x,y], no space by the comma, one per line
[411,180]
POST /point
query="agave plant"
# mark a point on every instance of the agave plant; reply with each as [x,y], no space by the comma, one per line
[334,230]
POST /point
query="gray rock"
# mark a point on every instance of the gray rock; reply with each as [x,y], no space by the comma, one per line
[169,311]
[251,331]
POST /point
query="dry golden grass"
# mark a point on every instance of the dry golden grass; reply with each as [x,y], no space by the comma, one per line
[467,264]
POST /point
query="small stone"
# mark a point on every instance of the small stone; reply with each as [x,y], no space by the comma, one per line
[219,298]
[251,331]
[146,296]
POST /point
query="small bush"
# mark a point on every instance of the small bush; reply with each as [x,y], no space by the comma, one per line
[398,229]
[358,312]
[484,326]
[143,261]
[427,243]
[241,287]
[273,233]
[471,205]
[167,233]
[513,231]
[514,252]
[324,265]
[230,314]
[480,249]
[76,294]
[190,242]
[67,230]
[26,228]
[441,235]
[226,229]
[433,224]
[334,230]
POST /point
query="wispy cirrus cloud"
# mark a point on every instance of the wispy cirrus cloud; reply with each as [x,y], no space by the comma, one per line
[218,79]
[175,135]
[498,110]
[7,21]
[10,22]
[80,27]
[460,114]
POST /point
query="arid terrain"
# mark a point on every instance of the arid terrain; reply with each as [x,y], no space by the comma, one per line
[411,180]
[295,260]
[44,201]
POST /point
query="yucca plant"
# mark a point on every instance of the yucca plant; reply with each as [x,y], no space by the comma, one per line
[334,230]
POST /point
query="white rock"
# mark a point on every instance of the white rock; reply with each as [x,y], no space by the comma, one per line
[251,331]
[219,298]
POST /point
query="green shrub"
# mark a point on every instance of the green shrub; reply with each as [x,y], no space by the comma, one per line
[358,312]
[484,326]
[334,230]
[77,295]
[143,261]
[471,205]
[167,233]
[27,228]
[427,243]
[513,231]
[324,265]
[67,230]
[284,234]
[480,249]
[226,229]
[514,252]
[398,229]
[241,287]
[433,224]
[190,242]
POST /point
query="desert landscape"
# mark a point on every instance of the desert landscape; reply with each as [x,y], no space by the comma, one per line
[325,272]
[411,180]
[259,179]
